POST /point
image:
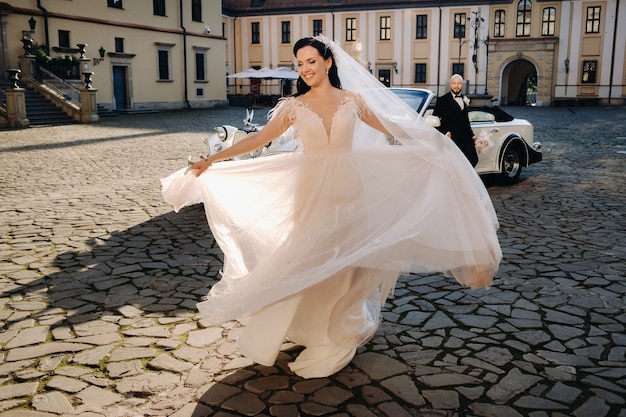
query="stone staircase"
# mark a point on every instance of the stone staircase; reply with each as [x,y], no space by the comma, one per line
[42,112]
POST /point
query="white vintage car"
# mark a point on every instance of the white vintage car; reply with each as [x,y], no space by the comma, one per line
[507,142]
[225,136]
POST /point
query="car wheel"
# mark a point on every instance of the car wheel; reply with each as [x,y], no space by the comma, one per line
[511,167]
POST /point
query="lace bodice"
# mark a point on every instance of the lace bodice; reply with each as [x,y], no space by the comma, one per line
[310,129]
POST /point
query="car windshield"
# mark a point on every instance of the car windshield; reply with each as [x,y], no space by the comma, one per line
[414,98]
[417,99]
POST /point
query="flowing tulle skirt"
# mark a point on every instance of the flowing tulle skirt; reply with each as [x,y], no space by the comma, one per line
[313,242]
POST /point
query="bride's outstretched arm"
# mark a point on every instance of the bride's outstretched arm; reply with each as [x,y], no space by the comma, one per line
[370,118]
[254,141]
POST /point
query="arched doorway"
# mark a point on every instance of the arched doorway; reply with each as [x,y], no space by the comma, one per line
[519,84]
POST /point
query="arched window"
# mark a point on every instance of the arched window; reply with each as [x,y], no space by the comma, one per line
[523,18]
[548,21]
[498,23]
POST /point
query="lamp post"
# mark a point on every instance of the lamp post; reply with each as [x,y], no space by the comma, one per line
[486,42]
[459,61]
[476,22]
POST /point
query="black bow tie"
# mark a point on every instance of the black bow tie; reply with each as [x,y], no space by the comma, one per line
[458,96]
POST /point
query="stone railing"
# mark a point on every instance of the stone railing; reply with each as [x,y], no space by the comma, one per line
[59,86]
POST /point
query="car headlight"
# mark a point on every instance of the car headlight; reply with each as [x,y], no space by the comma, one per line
[221,133]
[217,147]
[537,146]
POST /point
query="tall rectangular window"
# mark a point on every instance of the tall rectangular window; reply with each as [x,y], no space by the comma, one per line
[255,33]
[593,20]
[548,21]
[460,20]
[119,44]
[385,28]
[158,7]
[318,27]
[64,38]
[285,32]
[458,68]
[164,64]
[200,66]
[196,10]
[420,73]
[114,3]
[589,72]
[498,23]
[351,29]
[421,26]
[523,18]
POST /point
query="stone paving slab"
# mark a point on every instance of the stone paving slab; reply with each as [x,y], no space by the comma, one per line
[99,280]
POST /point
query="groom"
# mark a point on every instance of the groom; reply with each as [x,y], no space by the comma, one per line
[452,110]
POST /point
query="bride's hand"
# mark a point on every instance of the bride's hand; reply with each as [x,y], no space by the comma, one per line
[200,166]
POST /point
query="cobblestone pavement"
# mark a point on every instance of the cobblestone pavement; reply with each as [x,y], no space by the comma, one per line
[99,280]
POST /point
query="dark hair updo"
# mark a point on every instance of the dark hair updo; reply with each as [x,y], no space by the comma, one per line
[326,53]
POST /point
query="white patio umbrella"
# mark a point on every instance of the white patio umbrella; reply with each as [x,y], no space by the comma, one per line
[280,73]
[249,73]
[283,74]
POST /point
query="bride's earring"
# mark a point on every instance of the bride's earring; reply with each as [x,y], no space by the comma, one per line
[326,70]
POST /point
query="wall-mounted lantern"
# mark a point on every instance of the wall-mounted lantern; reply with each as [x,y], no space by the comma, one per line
[28,34]
[567,65]
[101,51]
[395,67]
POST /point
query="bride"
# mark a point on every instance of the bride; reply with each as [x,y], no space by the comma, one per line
[314,241]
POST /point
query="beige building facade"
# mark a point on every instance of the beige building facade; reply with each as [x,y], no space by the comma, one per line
[145,54]
[526,52]
[168,54]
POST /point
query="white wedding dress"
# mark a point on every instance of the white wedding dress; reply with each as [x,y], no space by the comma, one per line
[315,240]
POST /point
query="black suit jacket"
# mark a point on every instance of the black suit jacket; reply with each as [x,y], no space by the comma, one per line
[456,121]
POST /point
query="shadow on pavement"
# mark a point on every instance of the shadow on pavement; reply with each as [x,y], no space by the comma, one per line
[159,266]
